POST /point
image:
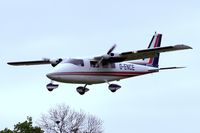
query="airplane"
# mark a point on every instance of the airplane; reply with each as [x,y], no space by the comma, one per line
[106,68]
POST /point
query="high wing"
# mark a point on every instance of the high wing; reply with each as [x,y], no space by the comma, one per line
[140,54]
[44,61]
[36,62]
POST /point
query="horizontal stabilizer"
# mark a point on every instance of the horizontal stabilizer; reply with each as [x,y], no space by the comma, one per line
[166,68]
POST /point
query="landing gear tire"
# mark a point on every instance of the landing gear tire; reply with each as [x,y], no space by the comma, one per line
[51,86]
[81,90]
[114,87]
[113,90]
[49,89]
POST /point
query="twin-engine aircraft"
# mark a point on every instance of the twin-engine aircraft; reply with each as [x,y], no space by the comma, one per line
[106,68]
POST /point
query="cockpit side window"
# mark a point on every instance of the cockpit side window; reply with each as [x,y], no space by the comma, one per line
[77,62]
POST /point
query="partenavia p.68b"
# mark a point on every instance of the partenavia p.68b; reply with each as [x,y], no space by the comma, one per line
[106,68]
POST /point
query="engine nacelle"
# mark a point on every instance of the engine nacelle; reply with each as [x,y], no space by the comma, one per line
[106,57]
[55,62]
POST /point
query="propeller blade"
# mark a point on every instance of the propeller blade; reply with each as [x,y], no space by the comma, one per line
[111,49]
[108,53]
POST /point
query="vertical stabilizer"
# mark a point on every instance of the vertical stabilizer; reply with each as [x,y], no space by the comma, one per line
[155,42]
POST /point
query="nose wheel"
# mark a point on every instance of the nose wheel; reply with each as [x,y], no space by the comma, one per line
[81,90]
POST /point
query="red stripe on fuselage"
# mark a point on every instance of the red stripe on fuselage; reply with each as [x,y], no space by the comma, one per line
[102,73]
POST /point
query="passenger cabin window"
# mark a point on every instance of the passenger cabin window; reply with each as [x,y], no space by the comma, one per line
[110,65]
[94,64]
[77,62]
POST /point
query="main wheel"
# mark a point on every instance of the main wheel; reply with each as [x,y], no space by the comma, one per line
[114,90]
[81,93]
[51,87]
[81,90]
[114,87]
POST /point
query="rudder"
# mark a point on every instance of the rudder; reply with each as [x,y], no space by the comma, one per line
[155,42]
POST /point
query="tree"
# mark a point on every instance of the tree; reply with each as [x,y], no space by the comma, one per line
[27,127]
[94,125]
[62,119]
[6,130]
[24,127]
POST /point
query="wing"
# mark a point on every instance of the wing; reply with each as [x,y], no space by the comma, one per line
[140,54]
[36,62]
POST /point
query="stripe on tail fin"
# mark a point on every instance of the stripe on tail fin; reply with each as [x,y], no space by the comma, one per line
[155,42]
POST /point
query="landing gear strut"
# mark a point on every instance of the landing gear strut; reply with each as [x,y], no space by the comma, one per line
[81,90]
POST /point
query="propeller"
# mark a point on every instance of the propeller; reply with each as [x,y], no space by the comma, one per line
[107,55]
[111,49]
[53,62]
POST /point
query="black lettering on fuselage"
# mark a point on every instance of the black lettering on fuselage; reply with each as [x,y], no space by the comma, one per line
[126,67]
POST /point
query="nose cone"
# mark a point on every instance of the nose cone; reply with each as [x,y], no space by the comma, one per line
[56,73]
[51,75]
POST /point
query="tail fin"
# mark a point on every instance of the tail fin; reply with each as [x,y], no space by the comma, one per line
[155,42]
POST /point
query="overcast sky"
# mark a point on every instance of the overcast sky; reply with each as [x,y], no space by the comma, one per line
[165,102]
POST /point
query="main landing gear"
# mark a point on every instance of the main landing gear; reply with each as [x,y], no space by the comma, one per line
[81,90]
[113,87]
[51,86]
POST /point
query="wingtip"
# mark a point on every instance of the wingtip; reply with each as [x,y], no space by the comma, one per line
[9,63]
[180,67]
[190,47]
[187,46]
[183,46]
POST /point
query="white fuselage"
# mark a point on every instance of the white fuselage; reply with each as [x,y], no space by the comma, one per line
[88,72]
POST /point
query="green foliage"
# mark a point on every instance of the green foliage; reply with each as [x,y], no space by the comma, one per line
[24,127]
[6,130]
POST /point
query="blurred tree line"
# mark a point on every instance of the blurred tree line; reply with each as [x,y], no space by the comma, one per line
[60,119]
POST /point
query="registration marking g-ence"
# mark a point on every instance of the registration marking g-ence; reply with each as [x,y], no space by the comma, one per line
[126,67]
